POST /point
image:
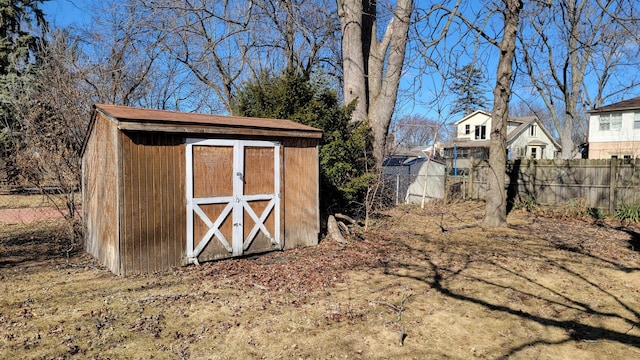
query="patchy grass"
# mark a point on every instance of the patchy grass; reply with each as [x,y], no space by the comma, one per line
[423,284]
[20,201]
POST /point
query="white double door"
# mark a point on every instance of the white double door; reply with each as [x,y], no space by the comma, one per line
[233,197]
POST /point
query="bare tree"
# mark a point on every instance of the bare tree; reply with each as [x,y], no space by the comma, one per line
[568,44]
[477,24]
[613,66]
[496,204]
[117,53]
[302,34]
[372,66]
[210,39]
[53,125]
[414,130]
[222,44]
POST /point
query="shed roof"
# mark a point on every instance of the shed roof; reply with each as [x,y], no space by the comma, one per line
[630,104]
[131,118]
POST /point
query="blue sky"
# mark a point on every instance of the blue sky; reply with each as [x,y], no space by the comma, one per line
[61,13]
[419,88]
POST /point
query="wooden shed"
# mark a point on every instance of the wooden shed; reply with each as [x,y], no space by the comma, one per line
[162,188]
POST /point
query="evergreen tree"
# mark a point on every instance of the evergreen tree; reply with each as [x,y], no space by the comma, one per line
[22,26]
[468,86]
[345,146]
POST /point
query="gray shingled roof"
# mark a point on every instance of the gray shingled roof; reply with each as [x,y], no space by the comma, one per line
[630,104]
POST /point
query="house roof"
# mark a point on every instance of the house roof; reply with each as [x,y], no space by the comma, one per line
[525,121]
[130,118]
[464,142]
[396,160]
[630,104]
[472,115]
[522,119]
[537,143]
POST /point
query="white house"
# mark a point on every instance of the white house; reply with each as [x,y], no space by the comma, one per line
[526,138]
[614,130]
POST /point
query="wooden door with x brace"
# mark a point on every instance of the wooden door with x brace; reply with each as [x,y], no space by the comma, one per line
[233,198]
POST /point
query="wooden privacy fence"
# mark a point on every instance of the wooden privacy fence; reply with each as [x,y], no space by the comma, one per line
[603,184]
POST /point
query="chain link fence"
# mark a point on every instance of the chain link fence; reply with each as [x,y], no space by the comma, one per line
[24,205]
[397,189]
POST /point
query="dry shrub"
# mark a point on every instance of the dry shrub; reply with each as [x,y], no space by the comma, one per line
[573,209]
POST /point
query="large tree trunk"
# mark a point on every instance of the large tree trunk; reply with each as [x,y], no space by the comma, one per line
[566,137]
[353,55]
[372,68]
[496,199]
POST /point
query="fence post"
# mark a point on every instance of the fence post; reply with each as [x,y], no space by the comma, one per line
[397,188]
[613,169]
[464,188]
[472,168]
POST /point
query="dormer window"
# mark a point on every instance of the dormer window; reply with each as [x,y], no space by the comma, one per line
[532,130]
[481,132]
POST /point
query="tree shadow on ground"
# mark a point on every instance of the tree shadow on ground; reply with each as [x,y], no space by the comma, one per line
[448,277]
[576,331]
[29,244]
[634,237]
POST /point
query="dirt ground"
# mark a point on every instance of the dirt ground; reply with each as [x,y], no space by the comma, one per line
[420,284]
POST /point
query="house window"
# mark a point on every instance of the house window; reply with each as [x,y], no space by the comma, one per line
[467,129]
[636,120]
[616,121]
[604,122]
[532,130]
[611,121]
[534,153]
[481,132]
[519,152]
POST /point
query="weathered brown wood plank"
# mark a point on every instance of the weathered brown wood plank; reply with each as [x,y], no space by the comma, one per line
[258,170]
[202,131]
[301,184]
[125,206]
[180,209]
[100,195]
[164,204]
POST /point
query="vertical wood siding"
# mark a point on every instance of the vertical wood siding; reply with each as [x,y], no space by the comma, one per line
[152,222]
[212,177]
[136,197]
[99,191]
[301,186]
[259,179]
